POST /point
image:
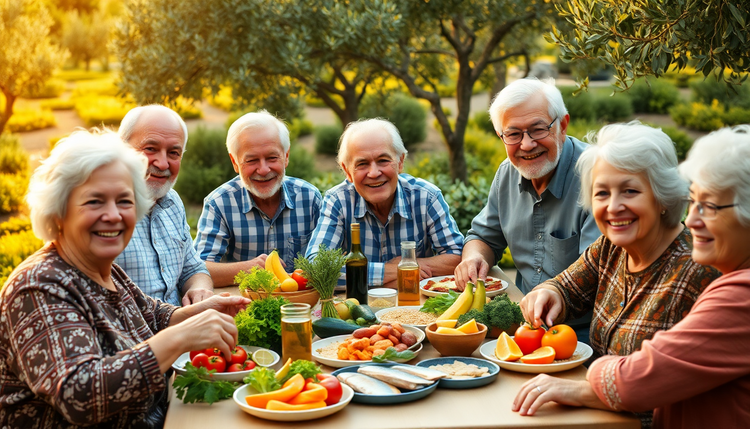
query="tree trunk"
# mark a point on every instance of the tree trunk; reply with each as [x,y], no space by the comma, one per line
[88,64]
[5,117]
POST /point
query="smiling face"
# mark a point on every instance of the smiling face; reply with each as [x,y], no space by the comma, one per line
[625,208]
[100,216]
[261,161]
[373,167]
[720,242]
[160,137]
[534,159]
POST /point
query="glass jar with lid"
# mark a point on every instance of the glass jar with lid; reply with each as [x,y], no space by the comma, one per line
[382,297]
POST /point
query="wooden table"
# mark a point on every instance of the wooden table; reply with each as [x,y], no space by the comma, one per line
[484,407]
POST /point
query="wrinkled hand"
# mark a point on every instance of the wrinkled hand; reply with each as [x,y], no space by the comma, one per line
[194,296]
[541,305]
[260,261]
[210,328]
[543,388]
[224,303]
[471,269]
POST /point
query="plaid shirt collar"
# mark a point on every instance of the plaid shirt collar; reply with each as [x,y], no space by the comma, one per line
[248,203]
[401,204]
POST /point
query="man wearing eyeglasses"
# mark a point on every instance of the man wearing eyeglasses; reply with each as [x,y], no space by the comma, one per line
[533,206]
[261,209]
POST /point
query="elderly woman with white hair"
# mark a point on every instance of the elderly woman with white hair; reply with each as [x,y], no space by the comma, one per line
[638,277]
[80,344]
[697,374]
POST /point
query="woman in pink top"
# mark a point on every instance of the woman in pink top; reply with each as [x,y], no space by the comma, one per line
[697,374]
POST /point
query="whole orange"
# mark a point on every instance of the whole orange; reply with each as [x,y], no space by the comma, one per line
[563,339]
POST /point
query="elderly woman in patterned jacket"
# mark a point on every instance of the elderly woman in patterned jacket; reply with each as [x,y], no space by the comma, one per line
[80,344]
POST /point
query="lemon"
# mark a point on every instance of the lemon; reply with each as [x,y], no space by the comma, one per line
[448,323]
[507,350]
[289,285]
[263,357]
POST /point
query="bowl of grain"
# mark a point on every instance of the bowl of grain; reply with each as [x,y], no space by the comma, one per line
[408,315]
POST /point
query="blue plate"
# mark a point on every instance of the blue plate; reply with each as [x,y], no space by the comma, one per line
[405,396]
[466,383]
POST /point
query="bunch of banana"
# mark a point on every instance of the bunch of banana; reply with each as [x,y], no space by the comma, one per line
[286,282]
[466,301]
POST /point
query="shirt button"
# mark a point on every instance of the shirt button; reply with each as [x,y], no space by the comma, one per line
[539,270]
[539,236]
[622,304]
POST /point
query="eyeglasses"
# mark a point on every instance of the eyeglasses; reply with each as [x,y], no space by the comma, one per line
[705,209]
[512,137]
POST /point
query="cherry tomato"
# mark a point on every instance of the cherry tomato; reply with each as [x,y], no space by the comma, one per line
[195,352]
[200,360]
[300,279]
[212,351]
[248,365]
[333,386]
[528,338]
[216,362]
[235,367]
[563,339]
[239,355]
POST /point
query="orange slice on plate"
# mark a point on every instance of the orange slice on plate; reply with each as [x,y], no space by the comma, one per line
[507,350]
[540,356]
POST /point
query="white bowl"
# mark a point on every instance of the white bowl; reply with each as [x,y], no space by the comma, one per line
[339,363]
[380,314]
[290,416]
[179,365]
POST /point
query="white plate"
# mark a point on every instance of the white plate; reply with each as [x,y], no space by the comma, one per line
[402,307]
[179,365]
[290,416]
[489,294]
[338,363]
[582,354]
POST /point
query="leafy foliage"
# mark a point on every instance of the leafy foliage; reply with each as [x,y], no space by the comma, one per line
[654,96]
[196,385]
[260,323]
[205,164]
[25,119]
[86,36]
[327,139]
[438,304]
[13,159]
[500,313]
[262,379]
[17,243]
[708,90]
[406,113]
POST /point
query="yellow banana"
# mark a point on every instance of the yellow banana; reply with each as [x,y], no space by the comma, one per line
[273,264]
[462,304]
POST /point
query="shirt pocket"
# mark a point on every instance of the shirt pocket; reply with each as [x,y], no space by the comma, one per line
[563,251]
[293,246]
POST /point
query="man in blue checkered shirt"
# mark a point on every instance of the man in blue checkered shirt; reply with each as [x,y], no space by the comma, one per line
[261,209]
[390,207]
[160,257]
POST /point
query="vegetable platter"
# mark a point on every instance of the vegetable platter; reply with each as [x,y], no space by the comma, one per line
[469,383]
[582,354]
[290,416]
[179,365]
[493,286]
[339,363]
[397,398]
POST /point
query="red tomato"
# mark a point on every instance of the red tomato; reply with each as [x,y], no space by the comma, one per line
[301,280]
[333,386]
[239,355]
[248,365]
[563,339]
[216,362]
[195,352]
[235,367]
[212,351]
[528,338]
[200,360]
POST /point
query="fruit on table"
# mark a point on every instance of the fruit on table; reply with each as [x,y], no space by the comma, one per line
[461,305]
[330,327]
[528,338]
[447,323]
[313,392]
[507,350]
[263,357]
[364,312]
[563,339]
[289,390]
[469,327]
[280,374]
[540,356]
[289,285]
[283,406]
[449,331]
[480,296]
[343,310]
[273,264]
[332,384]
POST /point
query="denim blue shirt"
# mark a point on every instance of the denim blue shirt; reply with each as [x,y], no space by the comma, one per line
[419,214]
[232,229]
[160,257]
[545,233]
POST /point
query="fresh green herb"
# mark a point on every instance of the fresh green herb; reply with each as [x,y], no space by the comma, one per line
[196,385]
[499,313]
[305,367]
[262,379]
[391,353]
[438,304]
[260,323]
[323,275]
[257,280]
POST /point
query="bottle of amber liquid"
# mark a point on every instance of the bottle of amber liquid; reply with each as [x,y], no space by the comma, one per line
[408,275]
[356,269]
[296,331]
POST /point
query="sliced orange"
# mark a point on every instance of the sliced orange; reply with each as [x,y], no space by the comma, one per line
[469,327]
[449,331]
[447,323]
[507,350]
[542,355]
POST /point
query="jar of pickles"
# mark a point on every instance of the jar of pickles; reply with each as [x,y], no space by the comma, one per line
[380,298]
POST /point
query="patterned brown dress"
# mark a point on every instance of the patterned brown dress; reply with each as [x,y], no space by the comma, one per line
[73,353]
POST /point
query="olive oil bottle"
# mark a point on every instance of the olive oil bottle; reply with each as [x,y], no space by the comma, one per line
[356,268]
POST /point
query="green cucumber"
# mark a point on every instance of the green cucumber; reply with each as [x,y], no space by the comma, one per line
[330,327]
[365,312]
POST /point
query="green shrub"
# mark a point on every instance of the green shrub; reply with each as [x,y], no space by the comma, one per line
[655,96]
[14,248]
[222,100]
[187,109]
[406,113]
[12,190]
[327,139]
[78,74]
[96,87]
[327,181]
[13,159]
[612,108]
[682,143]
[205,164]
[698,116]
[581,106]
[25,119]
[482,121]
[302,127]
[580,129]
[705,91]
[484,151]
[98,110]
[58,104]
[301,163]
[736,115]
[15,224]
[52,88]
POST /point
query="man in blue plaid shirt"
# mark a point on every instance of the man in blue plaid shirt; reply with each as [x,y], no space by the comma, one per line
[261,209]
[390,207]
[160,257]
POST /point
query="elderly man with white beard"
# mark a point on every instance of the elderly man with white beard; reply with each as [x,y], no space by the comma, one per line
[160,258]
[261,209]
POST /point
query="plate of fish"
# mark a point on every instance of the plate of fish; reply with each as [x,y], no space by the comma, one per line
[435,286]
[462,372]
[582,354]
[290,416]
[388,383]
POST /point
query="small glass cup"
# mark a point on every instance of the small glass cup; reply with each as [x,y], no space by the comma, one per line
[296,331]
[382,297]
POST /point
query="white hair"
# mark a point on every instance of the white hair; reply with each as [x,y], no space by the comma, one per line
[637,148]
[720,162]
[129,122]
[69,165]
[519,91]
[369,125]
[261,119]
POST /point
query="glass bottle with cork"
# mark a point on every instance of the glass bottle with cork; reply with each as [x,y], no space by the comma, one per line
[356,268]
[296,331]
[408,275]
